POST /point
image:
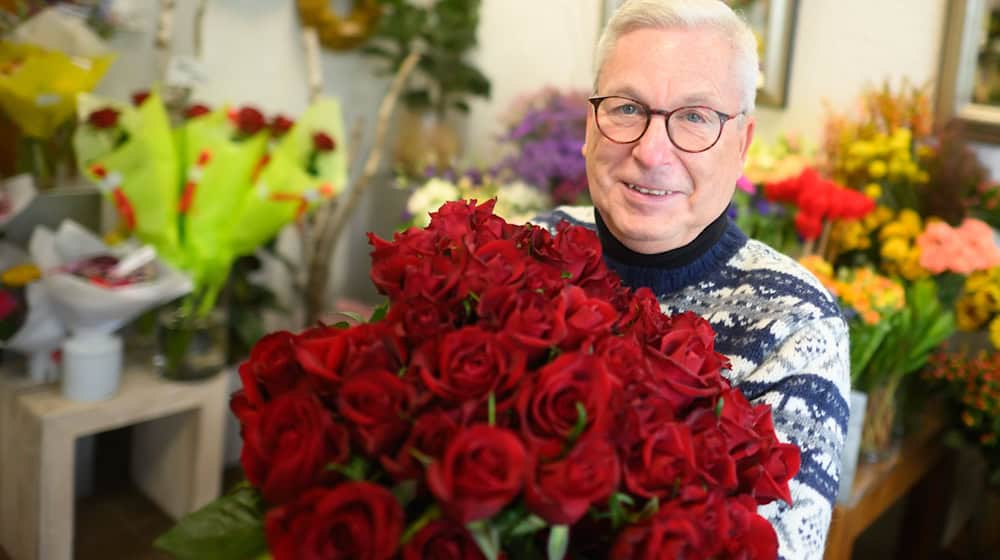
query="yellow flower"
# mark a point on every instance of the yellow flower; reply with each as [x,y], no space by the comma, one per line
[20,275]
[873,191]
[995,332]
[877,169]
[911,221]
[988,298]
[968,317]
[895,249]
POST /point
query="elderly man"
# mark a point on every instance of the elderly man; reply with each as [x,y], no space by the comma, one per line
[666,142]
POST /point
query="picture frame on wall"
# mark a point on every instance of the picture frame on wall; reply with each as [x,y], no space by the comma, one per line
[773,22]
[968,88]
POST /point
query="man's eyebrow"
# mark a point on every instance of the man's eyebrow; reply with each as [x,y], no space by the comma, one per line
[695,98]
[625,91]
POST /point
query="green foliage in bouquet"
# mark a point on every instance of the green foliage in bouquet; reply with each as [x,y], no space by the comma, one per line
[446,30]
[903,344]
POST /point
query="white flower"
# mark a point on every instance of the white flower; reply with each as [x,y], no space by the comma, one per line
[428,198]
[518,202]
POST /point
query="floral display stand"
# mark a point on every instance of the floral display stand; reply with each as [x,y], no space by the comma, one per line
[176,452]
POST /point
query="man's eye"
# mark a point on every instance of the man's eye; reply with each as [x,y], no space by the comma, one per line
[628,109]
[694,117]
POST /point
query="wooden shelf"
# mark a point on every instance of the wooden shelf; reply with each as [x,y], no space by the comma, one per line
[878,486]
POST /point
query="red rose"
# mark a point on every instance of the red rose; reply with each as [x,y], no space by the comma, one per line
[664,459]
[429,436]
[496,263]
[322,142]
[468,364]
[579,251]
[281,124]
[288,445]
[376,405]
[587,318]
[331,354]
[249,121]
[140,97]
[526,317]
[548,407]
[560,492]
[481,472]
[271,369]
[392,261]
[442,540]
[469,225]
[353,521]
[710,527]
[197,110]
[420,320]
[437,279]
[103,118]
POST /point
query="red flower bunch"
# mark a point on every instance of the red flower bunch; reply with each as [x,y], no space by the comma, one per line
[818,199]
[514,392]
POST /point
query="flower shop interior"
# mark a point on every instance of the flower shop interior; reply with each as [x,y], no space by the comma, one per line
[129,299]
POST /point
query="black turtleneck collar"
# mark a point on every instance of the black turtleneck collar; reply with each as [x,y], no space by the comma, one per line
[674,258]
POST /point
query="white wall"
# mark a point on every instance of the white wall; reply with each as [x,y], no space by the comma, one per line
[253,54]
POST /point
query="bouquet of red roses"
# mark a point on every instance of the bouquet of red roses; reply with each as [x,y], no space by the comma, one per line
[513,400]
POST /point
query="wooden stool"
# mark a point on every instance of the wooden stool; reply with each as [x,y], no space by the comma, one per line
[176,452]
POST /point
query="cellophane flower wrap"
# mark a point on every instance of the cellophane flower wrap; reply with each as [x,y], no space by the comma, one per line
[515,400]
[214,186]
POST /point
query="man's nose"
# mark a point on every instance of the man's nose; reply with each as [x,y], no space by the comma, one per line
[655,148]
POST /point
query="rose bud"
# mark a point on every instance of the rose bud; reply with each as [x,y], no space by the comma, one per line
[103,118]
[323,142]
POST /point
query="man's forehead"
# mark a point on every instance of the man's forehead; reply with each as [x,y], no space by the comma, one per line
[649,63]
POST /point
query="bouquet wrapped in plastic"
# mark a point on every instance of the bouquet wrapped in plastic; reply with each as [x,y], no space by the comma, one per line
[514,400]
[214,187]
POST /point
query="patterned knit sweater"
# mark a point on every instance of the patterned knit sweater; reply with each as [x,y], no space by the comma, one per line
[787,341]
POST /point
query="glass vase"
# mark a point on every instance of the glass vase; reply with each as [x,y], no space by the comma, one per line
[881,428]
[190,346]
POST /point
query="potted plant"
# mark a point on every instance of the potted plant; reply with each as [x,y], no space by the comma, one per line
[444,80]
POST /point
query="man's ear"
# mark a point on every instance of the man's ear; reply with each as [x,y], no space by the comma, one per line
[746,138]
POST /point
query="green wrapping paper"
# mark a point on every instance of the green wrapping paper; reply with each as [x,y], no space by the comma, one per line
[203,194]
[218,174]
[140,154]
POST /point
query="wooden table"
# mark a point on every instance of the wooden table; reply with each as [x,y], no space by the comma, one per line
[176,452]
[915,471]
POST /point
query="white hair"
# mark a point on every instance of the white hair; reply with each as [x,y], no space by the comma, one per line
[686,14]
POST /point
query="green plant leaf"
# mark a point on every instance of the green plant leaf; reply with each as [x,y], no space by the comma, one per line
[379,313]
[487,538]
[558,542]
[230,528]
[528,525]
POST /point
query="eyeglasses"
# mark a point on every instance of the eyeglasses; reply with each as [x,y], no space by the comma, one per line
[692,129]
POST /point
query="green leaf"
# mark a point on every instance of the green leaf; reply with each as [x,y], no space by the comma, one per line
[351,315]
[405,492]
[230,528]
[528,525]
[379,313]
[487,538]
[356,469]
[558,542]
[429,515]
[491,406]
[718,407]
[581,424]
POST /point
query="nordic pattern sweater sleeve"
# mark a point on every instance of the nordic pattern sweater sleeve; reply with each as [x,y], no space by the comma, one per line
[788,345]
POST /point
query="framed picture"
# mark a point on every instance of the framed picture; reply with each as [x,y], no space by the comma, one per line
[773,22]
[969,77]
